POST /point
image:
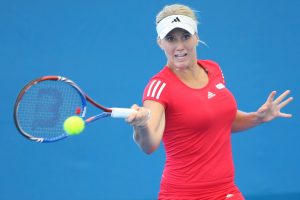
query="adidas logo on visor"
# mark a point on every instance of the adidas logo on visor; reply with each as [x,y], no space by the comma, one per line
[176,20]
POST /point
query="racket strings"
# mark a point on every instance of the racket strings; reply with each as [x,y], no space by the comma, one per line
[44,107]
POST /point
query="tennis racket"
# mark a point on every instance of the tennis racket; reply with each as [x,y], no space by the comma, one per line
[45,103]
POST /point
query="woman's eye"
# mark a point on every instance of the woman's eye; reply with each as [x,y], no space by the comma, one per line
[186,36]
[170,38]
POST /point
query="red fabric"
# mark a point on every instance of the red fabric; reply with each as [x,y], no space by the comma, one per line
[197,141]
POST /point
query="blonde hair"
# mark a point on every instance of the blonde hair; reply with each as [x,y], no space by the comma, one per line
[176,9]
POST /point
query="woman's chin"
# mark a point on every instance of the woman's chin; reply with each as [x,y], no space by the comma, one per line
[181,65]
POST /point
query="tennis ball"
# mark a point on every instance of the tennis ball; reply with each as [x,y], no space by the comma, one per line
[74,125]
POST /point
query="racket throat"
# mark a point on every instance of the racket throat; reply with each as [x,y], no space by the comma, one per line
[96,117]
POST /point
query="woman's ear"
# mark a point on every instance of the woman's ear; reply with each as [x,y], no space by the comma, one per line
[159,43]
[198,39]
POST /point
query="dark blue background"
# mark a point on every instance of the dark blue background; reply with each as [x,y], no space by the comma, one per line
[109,48]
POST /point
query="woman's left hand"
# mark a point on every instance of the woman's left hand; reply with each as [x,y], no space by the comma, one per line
[271,109]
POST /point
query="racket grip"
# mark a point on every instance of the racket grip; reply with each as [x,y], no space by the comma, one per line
[121,112]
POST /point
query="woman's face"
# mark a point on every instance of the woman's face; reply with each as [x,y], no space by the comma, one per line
[180,48]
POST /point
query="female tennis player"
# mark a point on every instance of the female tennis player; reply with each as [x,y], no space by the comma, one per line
[194,114]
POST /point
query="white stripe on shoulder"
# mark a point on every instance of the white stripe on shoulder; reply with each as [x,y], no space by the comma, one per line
[155,88]
[160,90]
[150,88]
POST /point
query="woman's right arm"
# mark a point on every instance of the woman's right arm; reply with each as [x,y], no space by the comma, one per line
[148,124]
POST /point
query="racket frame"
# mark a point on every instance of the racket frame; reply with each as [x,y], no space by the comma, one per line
[84,98]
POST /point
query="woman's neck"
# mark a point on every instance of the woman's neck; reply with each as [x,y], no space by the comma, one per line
[194,76]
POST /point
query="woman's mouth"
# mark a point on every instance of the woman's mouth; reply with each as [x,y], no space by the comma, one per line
[180,55]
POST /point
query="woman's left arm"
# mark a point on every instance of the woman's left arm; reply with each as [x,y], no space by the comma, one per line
[270,110]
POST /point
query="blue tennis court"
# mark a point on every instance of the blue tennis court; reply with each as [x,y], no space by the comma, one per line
[109,48]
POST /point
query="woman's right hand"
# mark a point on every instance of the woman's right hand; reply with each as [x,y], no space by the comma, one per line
[148,124]
[139,118]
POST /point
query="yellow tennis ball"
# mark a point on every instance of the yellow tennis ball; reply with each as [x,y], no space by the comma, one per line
[74,125]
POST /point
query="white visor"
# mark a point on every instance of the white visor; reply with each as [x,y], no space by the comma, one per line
[175,21]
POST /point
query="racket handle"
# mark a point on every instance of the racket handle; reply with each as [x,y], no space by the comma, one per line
[121,112]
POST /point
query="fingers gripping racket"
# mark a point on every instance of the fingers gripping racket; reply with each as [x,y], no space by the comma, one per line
[45,103]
